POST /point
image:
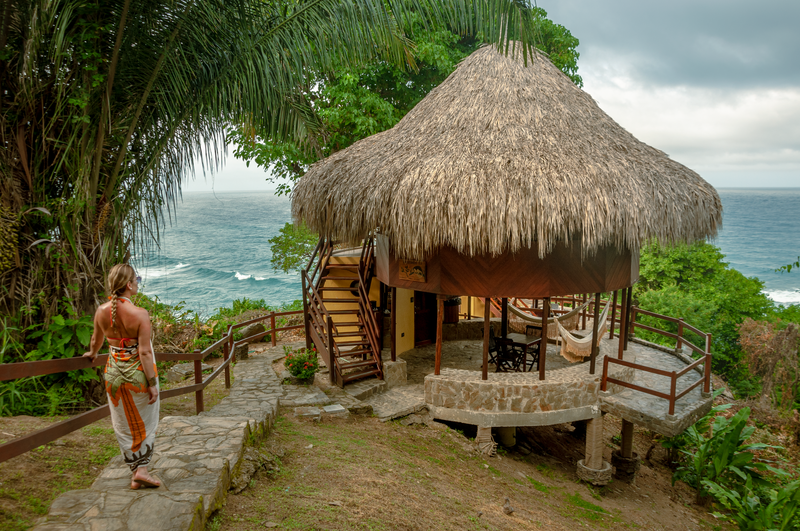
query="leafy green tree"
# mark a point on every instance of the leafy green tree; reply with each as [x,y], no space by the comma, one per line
[694,282]
[349,103]
[105,106]
[292,247]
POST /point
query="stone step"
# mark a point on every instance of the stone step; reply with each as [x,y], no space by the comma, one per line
[398,402]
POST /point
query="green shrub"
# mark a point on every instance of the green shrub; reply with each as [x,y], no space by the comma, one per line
[301,363]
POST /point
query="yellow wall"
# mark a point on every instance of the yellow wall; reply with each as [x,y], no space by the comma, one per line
[405,320]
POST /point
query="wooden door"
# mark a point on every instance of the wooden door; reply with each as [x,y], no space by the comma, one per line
[424,318]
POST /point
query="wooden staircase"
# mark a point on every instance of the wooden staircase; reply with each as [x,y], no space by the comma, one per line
[338,316]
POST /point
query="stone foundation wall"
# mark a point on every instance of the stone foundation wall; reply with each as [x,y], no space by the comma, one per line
[519,393]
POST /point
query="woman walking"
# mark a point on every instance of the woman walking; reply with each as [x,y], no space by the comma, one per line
[130,375]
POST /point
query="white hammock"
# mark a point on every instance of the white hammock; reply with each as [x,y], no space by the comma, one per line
[574,348]
[569,320]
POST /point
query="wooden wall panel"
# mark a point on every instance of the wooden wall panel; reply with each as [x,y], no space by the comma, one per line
[522,274]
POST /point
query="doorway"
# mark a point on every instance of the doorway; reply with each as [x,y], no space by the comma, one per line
[424,318]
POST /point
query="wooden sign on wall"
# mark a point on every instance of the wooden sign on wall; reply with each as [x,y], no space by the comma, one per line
[412,271]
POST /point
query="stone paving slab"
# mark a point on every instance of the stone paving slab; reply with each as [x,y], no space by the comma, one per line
[398,402]
[195,459]
[364,389]
[351,403]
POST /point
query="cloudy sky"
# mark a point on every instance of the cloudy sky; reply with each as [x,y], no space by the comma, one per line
[713,83]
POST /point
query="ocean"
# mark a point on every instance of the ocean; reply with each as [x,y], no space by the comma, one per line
[217,247]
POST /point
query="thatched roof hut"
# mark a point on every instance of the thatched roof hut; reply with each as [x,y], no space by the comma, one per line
[501,156]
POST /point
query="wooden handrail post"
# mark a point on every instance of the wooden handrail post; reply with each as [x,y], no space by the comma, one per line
[273,334]
[306,317]
[393,326]
[226,353]
[613,315]
[604,381]
[672,392]
[198,379]
[332,351]
[543,342]
[486,324]
[583,299]
[595,339]
[439,320]
[629,319]
[679,344]
[707,368]
[623,323]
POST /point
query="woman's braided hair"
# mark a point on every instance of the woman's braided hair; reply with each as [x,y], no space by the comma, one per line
[118,279]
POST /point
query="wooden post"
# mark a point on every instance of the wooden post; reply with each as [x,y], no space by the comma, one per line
[306,316]
[230,353]
[331,346]
[226,353]
[626,449]
[486,325]
[628,318]
[623,323]
[439,321]
[604,379]
[679,344]
[198,379]
[672,392]
[273,334]
[613,315]
[595,339]
[543,342]
[469,308]
[504,318]
[707,366]
[583,299]
[394,324]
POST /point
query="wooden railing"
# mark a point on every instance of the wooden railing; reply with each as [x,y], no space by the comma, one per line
[13,371]
[365,271]
[317,321]
[680,341]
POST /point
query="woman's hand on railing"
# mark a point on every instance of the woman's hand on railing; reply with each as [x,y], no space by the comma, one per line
[91,355]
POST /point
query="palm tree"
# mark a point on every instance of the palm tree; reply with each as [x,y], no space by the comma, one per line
[106,105]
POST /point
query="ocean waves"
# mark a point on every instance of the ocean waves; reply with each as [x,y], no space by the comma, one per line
[785,297]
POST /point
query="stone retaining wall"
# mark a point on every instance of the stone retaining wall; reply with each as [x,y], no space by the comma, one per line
[520,399]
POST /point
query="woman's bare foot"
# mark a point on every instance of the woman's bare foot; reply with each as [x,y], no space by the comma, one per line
[142,479]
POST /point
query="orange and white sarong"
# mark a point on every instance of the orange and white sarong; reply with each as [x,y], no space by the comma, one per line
[134,420]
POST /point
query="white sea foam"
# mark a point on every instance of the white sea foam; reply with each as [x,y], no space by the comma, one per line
[261,278]
[182,265]
[784,296]
[154,273]
[241,276]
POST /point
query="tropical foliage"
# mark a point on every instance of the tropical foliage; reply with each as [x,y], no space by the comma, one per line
[106,106]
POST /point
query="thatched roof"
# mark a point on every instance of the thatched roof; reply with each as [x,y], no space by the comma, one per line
[498,156]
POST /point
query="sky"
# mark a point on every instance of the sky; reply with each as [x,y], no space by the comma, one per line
[713,83]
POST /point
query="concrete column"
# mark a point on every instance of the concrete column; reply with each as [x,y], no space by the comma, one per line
[507,436]
[627,439]
[594,443]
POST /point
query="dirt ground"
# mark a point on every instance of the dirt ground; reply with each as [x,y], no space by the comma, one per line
[359,473]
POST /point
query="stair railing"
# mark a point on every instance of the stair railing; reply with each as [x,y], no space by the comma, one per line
[318,322]
[365,274]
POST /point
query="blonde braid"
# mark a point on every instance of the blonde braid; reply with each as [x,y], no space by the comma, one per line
[113,308]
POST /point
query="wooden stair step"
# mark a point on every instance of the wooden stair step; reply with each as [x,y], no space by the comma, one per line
[356,364]
[335,277]
[341,266]
[341,300]
[352,343]
[349,334]
[351,353]
[358,375]
[343,312]
[337,288]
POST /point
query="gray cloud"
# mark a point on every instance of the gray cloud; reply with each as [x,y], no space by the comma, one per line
[711,43]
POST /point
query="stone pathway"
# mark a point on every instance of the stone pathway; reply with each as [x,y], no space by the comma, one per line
[195,458]
[651,411]
[398,402]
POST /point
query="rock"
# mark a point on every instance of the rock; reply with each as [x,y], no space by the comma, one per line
[181,371]
[241,352]
[507,507]
[253,329]
[335,410]
[412,420]
[270,525]
[335,503]
[253,461]
[308,412]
